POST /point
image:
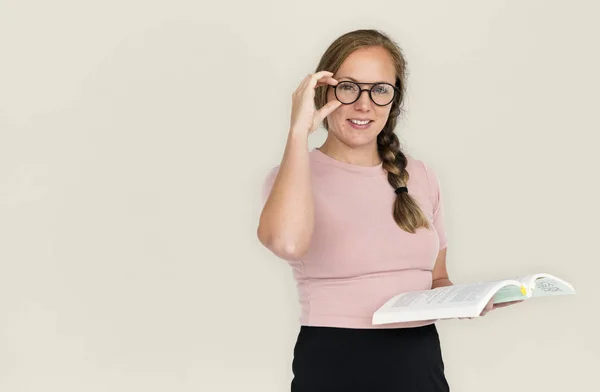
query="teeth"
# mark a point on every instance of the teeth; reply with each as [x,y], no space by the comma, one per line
[360,122]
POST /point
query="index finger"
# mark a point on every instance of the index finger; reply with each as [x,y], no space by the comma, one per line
[504,304]
[319,75]
[326,80]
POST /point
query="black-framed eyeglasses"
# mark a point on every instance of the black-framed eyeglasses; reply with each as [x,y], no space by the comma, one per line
[381,94]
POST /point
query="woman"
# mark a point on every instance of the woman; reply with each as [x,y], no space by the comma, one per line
[358,221]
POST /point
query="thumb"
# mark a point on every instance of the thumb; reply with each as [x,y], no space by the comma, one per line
[327,109]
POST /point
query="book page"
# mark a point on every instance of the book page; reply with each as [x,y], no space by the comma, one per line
[508,294]
[466,300]
[463,300]
[440,303]
[451,295]
[548,286]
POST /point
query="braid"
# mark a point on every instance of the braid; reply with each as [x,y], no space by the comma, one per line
[407,213]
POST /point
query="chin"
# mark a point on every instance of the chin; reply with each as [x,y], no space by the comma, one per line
[357,141]
[358,138]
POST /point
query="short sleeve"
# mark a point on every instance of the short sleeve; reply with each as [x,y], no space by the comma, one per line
[268,184]
[438,205]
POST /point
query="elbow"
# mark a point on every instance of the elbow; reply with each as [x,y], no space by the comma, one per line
[288,251]
[285,249]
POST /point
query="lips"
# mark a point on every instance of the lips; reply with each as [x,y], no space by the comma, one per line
[362,125]
[361,120]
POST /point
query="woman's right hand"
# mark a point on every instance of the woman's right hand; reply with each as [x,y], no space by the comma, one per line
[304,116]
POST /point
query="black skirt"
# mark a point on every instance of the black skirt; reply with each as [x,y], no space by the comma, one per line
[343,359]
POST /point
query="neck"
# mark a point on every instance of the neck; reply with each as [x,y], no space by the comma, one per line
[364,155]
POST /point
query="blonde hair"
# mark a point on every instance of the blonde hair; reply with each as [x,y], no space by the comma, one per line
[407,212]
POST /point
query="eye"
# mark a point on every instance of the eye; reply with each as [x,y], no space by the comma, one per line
[381,89]
[347,86]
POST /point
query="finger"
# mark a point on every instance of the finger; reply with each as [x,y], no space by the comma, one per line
[301,86]
[327,80]
[308,78]
[308,84]
[319,76]
[505,304]
[488,307]
[327,109]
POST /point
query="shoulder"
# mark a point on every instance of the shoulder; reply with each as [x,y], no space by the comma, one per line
[416,166]
[423,171]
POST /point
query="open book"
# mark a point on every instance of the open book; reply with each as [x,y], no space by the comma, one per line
[467,300]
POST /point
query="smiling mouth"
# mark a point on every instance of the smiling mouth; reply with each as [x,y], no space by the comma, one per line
[360,122]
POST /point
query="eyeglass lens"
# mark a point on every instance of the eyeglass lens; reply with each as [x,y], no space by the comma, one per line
[381,94]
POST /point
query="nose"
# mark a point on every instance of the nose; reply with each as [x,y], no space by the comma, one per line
[364,100]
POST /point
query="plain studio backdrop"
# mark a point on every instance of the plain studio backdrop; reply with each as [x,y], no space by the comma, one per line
[135,137]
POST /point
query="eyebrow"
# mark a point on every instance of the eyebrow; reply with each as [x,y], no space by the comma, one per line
[354,80]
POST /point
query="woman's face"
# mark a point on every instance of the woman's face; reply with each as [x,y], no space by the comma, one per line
[365,65]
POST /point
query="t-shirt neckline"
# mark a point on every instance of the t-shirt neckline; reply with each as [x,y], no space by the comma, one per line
[321,157]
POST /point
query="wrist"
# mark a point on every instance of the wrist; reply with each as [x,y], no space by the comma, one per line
[298,138]
[298,133]
[441,282]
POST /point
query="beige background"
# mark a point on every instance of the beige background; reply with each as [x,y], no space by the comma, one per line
[135,136]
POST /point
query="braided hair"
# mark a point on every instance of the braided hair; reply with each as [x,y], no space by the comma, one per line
[406,211]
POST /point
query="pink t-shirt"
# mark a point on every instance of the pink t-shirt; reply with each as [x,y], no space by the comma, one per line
[358,256]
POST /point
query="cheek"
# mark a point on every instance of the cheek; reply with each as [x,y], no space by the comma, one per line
[340,115]
[383,113]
